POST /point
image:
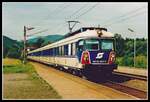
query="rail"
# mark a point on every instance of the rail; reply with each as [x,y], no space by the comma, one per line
[126,89]
[132,76]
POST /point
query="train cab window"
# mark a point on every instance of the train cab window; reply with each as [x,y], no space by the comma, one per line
[92,44]
[81,45]
[107,44]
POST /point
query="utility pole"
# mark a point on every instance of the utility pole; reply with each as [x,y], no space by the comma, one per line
[25,41]
[70,28]
[134,44]
[24,51]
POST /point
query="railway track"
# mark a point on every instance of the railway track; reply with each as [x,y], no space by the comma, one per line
[127,89]
[123,88]
[131,76]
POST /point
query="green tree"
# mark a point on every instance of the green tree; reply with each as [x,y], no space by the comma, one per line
[120,44]
[129,47]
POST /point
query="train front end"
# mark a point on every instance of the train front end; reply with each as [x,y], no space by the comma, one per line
[97,55]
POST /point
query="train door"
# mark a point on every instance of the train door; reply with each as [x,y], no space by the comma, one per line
[80,48]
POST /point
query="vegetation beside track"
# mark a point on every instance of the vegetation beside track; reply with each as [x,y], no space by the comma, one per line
[125,52]
[140,61]
[22,82]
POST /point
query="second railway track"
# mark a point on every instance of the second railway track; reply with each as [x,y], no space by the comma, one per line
[131,76]
[126,89]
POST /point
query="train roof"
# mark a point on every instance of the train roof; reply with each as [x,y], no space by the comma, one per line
[83,29]
[85,32]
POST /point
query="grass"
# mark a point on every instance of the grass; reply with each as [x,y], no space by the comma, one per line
[22,82]
[14,69]
[11,62]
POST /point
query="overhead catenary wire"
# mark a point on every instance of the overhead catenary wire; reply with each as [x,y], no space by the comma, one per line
[124,15]
[82,13]
[128,13]
[87,11]
[124,19]
[37,32]
[53,13]
[63,24]
[77,11]
[60,26]
[61,9]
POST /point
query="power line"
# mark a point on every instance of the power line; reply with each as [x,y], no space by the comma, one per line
[82,13]
[61,8]
[87,11]
[124,19]
[136,10]
[54,12]
[37,32]
[126,14]
[63,24]
[77,11]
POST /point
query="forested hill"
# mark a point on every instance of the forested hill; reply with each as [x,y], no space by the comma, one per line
[13,48]
[47,39]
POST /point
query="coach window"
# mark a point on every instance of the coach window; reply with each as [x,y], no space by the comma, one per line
[54,51]
[57,51]
[42,52]
[51,52]
[66,49]
[71,48]
[38,53]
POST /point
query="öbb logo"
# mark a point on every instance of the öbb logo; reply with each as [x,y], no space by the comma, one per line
[99,55]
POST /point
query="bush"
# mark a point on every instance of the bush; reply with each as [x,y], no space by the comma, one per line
[140,61]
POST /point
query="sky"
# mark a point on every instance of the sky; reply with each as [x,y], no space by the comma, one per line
[52,17]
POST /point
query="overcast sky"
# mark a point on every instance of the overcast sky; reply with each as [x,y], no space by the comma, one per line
[117,17]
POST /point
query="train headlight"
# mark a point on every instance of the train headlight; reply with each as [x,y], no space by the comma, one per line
[85,58]
[111,57]
[99,32]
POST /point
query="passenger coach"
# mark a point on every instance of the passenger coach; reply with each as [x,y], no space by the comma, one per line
[87,51]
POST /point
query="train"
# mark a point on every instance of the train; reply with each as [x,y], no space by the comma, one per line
[84,52]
